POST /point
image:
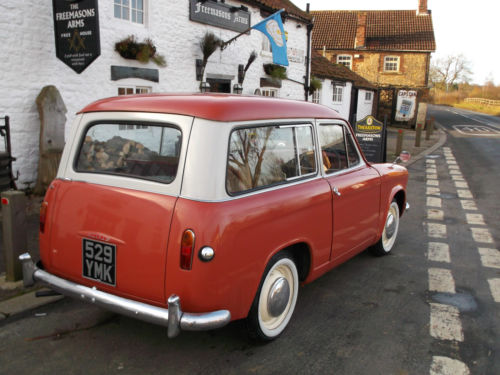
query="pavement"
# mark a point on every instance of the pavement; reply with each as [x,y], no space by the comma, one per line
[15,299]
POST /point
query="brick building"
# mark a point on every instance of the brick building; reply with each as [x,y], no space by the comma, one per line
[390,48]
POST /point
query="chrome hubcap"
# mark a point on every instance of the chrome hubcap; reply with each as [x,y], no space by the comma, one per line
[390,225]
[279,295]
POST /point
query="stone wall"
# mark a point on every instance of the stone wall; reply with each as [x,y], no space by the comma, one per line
[29,63]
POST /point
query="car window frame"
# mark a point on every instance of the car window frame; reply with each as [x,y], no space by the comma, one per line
[280,184]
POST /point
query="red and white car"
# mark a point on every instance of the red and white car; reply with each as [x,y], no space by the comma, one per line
[223,203]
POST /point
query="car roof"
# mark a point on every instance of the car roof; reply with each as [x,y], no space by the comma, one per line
[216,107]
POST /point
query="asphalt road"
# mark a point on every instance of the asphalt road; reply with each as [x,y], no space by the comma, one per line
[429,307]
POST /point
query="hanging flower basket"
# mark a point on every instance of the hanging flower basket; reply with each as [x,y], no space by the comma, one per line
[314,85]
[275,71]
[130,48]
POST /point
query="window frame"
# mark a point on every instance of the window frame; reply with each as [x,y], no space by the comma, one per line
[346,130]
[370,98]
[345,60]
[135,88]
[316,96]
[287,182]
[338,94]
[270,90]
[394,60]
[120,4]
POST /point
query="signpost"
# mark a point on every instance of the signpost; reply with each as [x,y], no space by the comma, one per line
[371,135]
[219,14]
[76,28]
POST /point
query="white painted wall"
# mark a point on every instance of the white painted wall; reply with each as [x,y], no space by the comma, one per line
[326,97]
[364,106]
[28,63]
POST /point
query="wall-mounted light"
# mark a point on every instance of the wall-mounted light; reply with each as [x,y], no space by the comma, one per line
[199,69]
[205,87]
[237,89]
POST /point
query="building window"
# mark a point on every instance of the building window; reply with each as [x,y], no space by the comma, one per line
[269,92]
[130,10]
[391,63]
[368,96]
[130,90]
[345,60]
[316,97]
[337,94]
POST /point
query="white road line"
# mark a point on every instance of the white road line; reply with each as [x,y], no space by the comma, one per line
[445,323]
[431,170]
[495,289]
[430,161]
[438,252]
[481,235]
[448,366]
[433,182]
[489,257]
[441,280]
[434,202]
[432,176]
[453,166]
[435,214]
[457,177]
[431,190]
[451,161]
[455,172]
[464,193]
[475,219]
[468,205]
[461,184]
[435,230]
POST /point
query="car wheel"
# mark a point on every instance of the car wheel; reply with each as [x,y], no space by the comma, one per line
[275,301]
[390,232]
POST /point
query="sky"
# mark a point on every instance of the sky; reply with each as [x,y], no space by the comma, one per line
[471,28]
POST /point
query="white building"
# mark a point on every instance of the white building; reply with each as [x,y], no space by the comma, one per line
[28,60]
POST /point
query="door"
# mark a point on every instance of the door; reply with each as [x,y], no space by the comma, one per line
[219,85]
[355,190]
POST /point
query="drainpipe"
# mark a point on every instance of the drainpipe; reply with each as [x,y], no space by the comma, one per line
[308,55]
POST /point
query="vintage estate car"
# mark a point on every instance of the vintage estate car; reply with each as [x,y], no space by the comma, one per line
[225,203]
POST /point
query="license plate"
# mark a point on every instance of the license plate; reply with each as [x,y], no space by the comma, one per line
[99,259]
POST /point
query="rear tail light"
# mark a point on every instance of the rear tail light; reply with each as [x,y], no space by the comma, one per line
[187,249]
[43,216]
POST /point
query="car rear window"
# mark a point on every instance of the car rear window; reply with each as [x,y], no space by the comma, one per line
[264,156]
[142,150]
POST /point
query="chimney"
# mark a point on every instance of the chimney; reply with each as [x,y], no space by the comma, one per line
[360,41]
[422,8]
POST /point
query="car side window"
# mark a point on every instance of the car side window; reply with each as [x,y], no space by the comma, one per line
[333,147]
[264,156]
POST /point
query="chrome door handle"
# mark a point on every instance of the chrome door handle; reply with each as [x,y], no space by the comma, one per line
[336,191]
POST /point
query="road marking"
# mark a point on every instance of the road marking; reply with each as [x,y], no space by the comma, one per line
[464,193]
[475,219]
[445,323]
[431,171]
[448,366]
[468,205]
[457,177]
[489,257]
[433,202]
[433,182]
[451,161]
[455,172]
[461,184]
[476,130]
[435,214]
[481,235]
[435,230]
[453,166]
[430,161]
[433,190]
[432,176]
[495,289]
[441,280]
[438,252]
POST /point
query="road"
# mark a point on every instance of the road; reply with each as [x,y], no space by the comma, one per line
[431,306]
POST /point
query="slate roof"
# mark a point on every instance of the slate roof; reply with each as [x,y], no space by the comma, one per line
[323,68]
[275,5]
[389,30]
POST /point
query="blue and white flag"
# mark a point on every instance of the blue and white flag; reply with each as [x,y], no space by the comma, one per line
[272,27]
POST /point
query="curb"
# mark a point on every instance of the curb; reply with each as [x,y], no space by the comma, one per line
[442,140]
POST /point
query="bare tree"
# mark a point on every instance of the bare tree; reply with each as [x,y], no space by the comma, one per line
[451,70]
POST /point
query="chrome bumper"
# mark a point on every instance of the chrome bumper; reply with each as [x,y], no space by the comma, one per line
[173,318]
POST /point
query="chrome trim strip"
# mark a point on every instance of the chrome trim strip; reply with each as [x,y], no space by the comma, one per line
[173,317]
[407,207]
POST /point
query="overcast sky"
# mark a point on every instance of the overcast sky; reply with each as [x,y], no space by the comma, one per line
[471,28]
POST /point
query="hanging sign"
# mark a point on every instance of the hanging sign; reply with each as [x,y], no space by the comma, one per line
[405,105]
[219,14]
[76,28]
[371,137]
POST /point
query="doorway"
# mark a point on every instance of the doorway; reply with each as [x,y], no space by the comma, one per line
[219,85]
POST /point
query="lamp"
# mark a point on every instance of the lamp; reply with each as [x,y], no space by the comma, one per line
[205,87]
[237,88]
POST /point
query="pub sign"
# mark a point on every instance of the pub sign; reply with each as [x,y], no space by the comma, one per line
[76,28]
[219,14]
[371,135]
